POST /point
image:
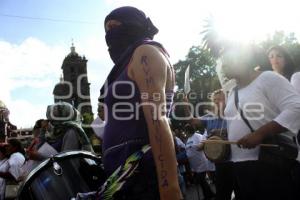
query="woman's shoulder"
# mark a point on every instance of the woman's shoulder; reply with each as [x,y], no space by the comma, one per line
[16,156]
[269,74]
[270,77]
[296,76]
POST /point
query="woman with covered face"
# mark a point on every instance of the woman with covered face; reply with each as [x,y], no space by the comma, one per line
[137,95]
[272,106]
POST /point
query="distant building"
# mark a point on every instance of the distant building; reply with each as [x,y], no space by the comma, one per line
[6,128]
[74,87]
[24,135]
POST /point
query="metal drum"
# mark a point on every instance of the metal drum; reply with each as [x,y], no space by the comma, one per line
[63,176]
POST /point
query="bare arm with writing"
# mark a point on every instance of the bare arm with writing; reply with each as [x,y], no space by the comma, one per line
[151,71]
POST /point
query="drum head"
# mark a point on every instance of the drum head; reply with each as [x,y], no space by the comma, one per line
[63,176]
[216,152]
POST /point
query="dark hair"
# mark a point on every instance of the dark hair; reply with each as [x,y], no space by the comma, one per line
[189,129]
[290,66]
[17,144]
[38,124]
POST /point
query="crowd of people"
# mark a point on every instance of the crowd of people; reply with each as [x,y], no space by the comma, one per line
[263,105]
[60,131]
[135,103]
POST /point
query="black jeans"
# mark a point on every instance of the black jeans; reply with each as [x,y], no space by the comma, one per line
[226,182]
[140,187]
[261,181]
[296,178]
[201,180]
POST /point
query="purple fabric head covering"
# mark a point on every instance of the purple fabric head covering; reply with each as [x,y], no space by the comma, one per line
[130,16]
[134,26]
[135,29]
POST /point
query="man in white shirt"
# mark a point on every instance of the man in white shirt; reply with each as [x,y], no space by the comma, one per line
[198,161]
[98,124]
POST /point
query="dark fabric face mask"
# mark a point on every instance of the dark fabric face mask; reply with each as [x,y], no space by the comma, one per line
[134,26]
[119,38]
[134,30]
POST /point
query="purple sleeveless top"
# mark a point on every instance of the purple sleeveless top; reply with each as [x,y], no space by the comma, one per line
[126,128]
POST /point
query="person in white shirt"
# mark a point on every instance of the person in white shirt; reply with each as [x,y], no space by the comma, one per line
[215,124]
[12,173]
[272,106]
[16,160]
[198,161]
[98,124]
[295,81]
[283,63]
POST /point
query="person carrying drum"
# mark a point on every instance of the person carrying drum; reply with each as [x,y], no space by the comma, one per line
[216,125]
[264,105]
[137,94]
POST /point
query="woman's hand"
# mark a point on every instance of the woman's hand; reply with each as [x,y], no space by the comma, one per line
[251,140]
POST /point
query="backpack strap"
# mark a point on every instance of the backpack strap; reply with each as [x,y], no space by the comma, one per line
[236,102]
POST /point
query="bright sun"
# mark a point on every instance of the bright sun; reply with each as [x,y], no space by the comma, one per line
[245,21]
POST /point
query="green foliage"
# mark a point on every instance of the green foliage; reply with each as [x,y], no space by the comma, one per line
[203,74]
[203,79]
[88,118]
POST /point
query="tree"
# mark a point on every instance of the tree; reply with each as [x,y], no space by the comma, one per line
[203,74]
[203,79]
[88,118]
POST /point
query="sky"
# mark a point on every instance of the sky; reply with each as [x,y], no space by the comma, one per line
[36,35]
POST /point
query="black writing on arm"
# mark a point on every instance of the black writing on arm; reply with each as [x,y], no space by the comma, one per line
[146,69]
[156,112]
[158,138]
